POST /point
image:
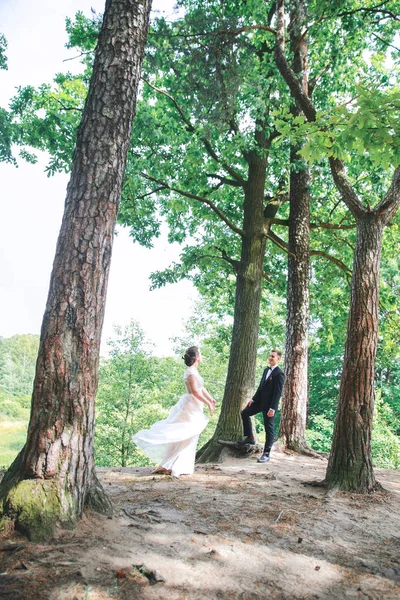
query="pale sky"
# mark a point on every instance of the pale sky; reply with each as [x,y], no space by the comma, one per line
[31,204]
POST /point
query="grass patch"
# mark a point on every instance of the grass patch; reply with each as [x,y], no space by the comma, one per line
[12,438]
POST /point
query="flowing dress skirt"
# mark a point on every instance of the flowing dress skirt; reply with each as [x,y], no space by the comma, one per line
[171,443]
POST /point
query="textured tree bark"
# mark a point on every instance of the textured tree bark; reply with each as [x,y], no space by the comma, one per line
[239,386]
[350,463]
[53,478]
[295,391]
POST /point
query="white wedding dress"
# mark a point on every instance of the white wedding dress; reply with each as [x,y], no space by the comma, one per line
[171,443]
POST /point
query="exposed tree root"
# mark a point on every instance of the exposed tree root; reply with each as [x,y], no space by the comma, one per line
[213,453]
[315,483]
[302,449]
[97,499]
[35,506]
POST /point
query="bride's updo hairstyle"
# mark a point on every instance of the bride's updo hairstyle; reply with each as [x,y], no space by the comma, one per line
[190,355]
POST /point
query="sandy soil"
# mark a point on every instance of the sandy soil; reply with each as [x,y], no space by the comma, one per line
[240,530]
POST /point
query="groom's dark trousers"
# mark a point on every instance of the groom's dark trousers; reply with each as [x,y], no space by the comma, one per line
[267,396]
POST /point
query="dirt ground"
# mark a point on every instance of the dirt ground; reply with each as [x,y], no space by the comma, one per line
[240,530]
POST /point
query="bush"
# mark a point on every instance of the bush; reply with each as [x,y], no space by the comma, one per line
[17,408]
[320,432]
[385,444]
[385,448]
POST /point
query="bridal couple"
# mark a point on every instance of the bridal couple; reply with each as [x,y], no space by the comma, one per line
[171,443]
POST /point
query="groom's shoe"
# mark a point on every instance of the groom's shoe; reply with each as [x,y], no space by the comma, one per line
[247,440]
[264,458]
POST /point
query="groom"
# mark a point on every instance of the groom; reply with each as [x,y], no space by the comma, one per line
[265,400]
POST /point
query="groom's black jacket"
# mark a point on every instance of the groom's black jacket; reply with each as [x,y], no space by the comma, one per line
[269,392]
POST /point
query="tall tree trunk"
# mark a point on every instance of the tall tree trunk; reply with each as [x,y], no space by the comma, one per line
[53,477]
[295,391]
[350,462]
[239,386]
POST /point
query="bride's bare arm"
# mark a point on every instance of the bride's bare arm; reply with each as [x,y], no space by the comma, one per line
[208,395]
[194,389]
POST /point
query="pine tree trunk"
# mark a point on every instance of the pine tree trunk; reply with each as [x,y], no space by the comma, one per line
[350,463]
[295,391]
[239,386]
[53,478]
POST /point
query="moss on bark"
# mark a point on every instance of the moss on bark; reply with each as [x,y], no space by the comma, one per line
[35,506]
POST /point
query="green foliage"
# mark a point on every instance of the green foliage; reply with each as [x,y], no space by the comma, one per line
[12,438]
[6,137]
[319,433]
[385,444]
[17,364]
[124,386]
[47,118]
[17,408]
[176,121]
[83,32]
[17,369]
[3,48]
[368,126]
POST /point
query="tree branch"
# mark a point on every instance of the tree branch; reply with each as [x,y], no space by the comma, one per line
[344,241]
[274,204]
[345,188]
[313,81]
[79,55]
[286,71]
[285,247]
[143,196]
[373,10]
[234,263]
[216,32]
[285,223]
[174,102]
[332,226]
[279,242]
[244,29]
[388,207]
[266,277]
[232,172]
[337,166]
[66,107]
[217,211]
[385,42]
[223,180]
[334,260]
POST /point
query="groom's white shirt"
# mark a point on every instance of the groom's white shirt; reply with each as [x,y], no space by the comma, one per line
[268,373]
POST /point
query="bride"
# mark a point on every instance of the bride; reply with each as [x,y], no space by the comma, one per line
[172,442]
